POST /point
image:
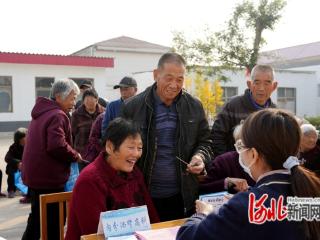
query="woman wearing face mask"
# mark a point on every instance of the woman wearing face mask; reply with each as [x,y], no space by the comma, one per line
[267,148]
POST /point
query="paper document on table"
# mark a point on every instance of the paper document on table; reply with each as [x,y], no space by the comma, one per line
[129,237]
[124,222]
[216,199]
[158,234]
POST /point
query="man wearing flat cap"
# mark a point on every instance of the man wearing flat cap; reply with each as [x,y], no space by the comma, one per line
[87,84]
[128,88]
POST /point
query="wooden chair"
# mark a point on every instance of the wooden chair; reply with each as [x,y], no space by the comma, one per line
[63,199]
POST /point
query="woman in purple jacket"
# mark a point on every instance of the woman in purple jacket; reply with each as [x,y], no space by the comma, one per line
[94,145]
[225,172]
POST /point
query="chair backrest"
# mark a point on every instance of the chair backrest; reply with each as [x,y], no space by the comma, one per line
[63,199]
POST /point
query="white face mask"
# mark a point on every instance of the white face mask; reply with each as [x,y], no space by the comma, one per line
[245,168]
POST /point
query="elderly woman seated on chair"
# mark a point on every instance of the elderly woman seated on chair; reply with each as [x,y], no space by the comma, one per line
[111,182]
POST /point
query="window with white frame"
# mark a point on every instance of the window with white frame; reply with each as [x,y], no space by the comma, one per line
[43,86]
[287,99]
[228,93]
[6,94]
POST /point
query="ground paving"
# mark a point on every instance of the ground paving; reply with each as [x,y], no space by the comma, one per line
[13,215]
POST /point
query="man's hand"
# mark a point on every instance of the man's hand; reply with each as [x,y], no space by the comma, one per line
[196,165]
[240,185]
[79,158]
[20,166]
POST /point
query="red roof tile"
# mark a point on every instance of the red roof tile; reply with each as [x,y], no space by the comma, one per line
[27,58]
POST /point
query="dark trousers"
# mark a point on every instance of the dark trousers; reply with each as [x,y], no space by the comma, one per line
[32,231]
[169,208]
[10,181]
[0,180]
[11,169]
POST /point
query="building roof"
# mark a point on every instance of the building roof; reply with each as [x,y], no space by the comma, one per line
[128,44]
[27,58]
[295,56]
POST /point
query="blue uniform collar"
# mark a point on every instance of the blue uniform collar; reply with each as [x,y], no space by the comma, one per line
[281,176]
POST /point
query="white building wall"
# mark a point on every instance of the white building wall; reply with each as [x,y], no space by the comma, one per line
[315,68]
[23,84]
[140,66]
[304,82]
[137,65]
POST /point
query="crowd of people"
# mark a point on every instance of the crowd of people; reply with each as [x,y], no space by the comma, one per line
[156,148]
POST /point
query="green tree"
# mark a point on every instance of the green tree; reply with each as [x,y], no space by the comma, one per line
[200,54]
[238,45]
[315,121]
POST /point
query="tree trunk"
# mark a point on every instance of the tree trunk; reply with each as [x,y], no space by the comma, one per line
[256,45]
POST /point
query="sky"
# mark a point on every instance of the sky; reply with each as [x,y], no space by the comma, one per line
[66,26]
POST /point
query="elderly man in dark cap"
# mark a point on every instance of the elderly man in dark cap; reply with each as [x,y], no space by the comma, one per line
[128,88]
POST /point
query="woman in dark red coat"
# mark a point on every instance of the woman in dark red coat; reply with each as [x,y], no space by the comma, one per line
[111,182]
[82,120]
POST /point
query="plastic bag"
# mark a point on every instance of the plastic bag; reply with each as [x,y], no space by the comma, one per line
[74,173]
[19,184]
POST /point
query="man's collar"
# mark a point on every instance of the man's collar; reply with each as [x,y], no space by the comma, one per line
[158,100]
[256,105]
[156,97]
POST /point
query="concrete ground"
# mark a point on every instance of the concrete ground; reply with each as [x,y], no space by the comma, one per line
[13,215]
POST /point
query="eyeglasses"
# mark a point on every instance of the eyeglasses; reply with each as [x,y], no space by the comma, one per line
[240,147]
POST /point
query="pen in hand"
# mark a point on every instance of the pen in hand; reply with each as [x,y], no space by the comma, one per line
[85,161]
[193,165]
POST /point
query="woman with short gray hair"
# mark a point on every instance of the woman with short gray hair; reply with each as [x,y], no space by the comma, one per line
[310,148]
[48,153]
[63,88]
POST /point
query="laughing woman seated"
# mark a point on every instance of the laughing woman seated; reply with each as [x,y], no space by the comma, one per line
[268,145]
[111,182]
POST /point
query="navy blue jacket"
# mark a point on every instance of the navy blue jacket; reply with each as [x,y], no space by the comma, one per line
[232,221]
[112,111]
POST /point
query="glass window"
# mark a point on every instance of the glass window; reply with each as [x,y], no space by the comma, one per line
[229,92]
[287,99]
[5,94]
[43,86]
[281,92]
[290,92]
